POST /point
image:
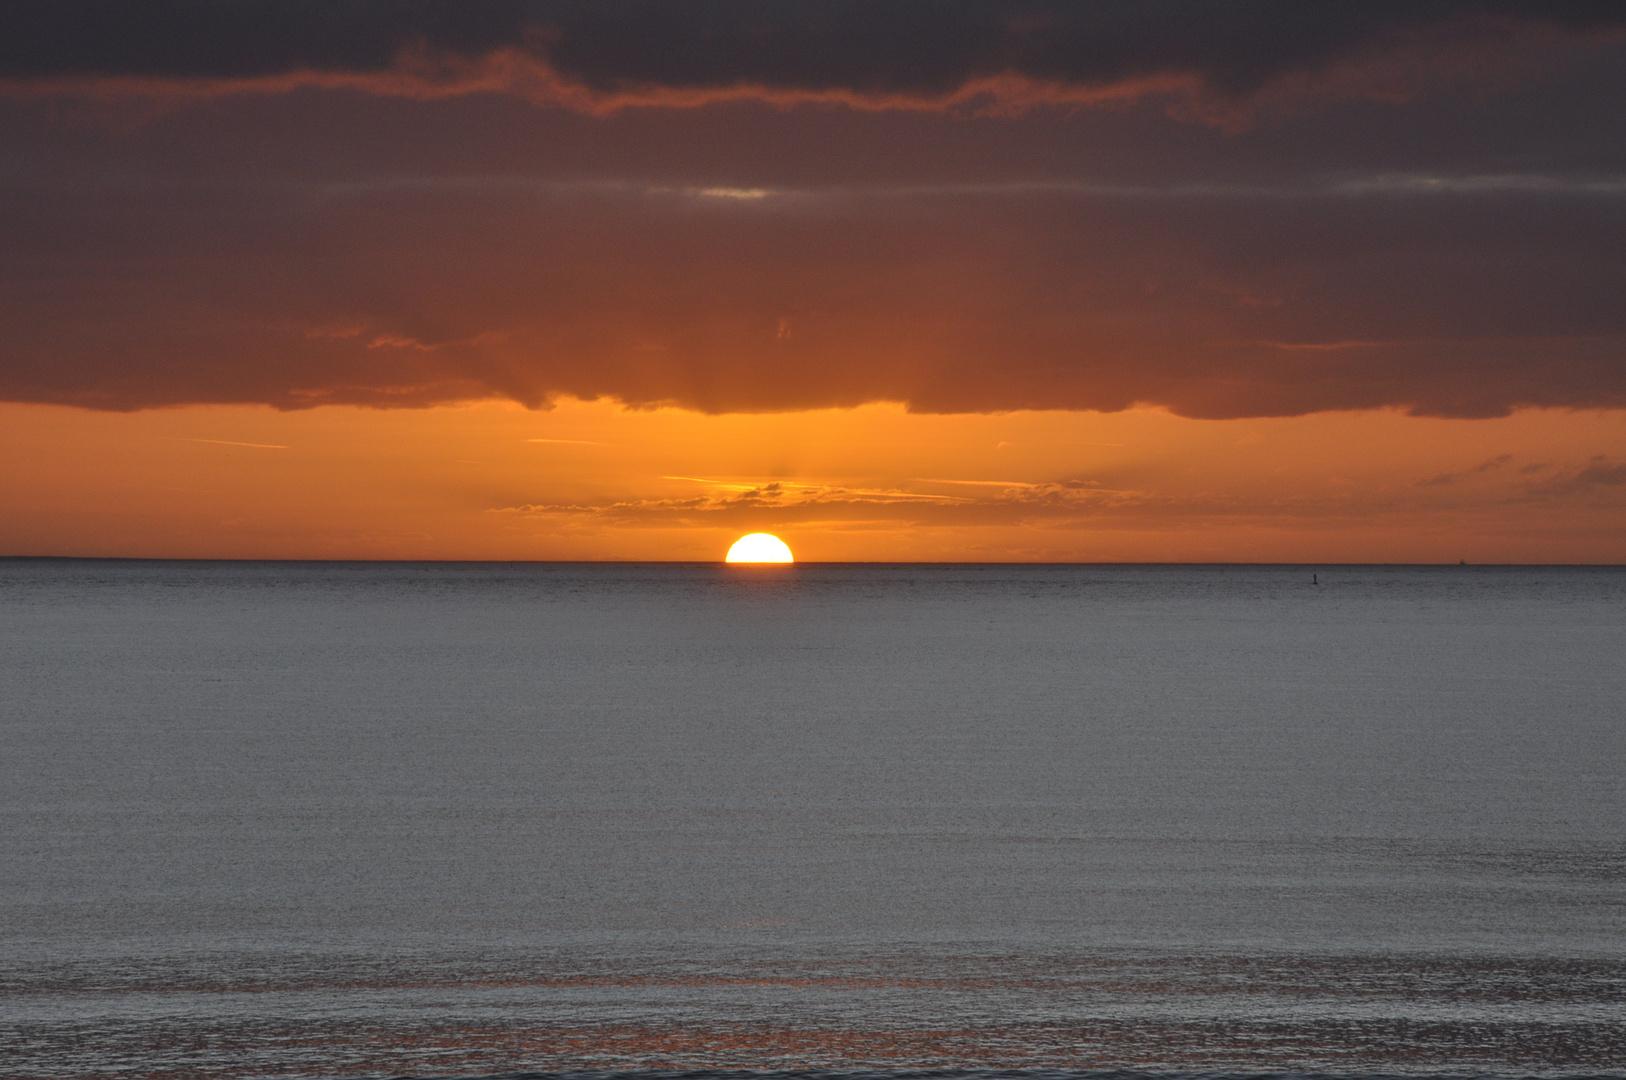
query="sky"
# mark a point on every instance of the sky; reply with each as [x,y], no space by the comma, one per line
[898,280]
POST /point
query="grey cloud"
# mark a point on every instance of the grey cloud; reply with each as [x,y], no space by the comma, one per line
[1599,472]
[1444,479]
[865,46]
[1214,307]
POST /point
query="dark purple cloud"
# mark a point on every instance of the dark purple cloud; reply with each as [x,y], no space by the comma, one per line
[885,46]
[1459,251]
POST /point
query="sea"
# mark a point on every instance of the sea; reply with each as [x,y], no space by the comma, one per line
[281,819]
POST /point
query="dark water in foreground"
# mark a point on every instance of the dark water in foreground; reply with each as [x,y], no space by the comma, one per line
[320,820]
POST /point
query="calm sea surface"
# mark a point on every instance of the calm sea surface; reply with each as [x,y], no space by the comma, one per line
[278,819]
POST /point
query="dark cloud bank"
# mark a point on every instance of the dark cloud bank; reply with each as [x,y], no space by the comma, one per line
[911,46]
[1422,205]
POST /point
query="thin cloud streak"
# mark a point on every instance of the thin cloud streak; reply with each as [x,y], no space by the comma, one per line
[817,198]
[228,442]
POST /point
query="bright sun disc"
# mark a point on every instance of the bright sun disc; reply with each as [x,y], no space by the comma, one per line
[759,547]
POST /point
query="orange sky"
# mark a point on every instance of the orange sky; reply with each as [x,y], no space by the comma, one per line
[991,280]
[591,480]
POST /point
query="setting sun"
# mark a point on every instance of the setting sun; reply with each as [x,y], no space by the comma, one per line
[759,548]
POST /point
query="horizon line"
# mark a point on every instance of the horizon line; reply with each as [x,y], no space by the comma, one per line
[1460,564]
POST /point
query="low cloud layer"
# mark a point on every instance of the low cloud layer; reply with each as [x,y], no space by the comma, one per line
[1213,305]
[1593,487]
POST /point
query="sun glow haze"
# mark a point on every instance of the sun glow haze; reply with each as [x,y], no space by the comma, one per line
[759,548]
[876,483]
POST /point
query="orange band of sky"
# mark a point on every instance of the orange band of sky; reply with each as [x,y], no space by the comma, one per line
[876,483]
